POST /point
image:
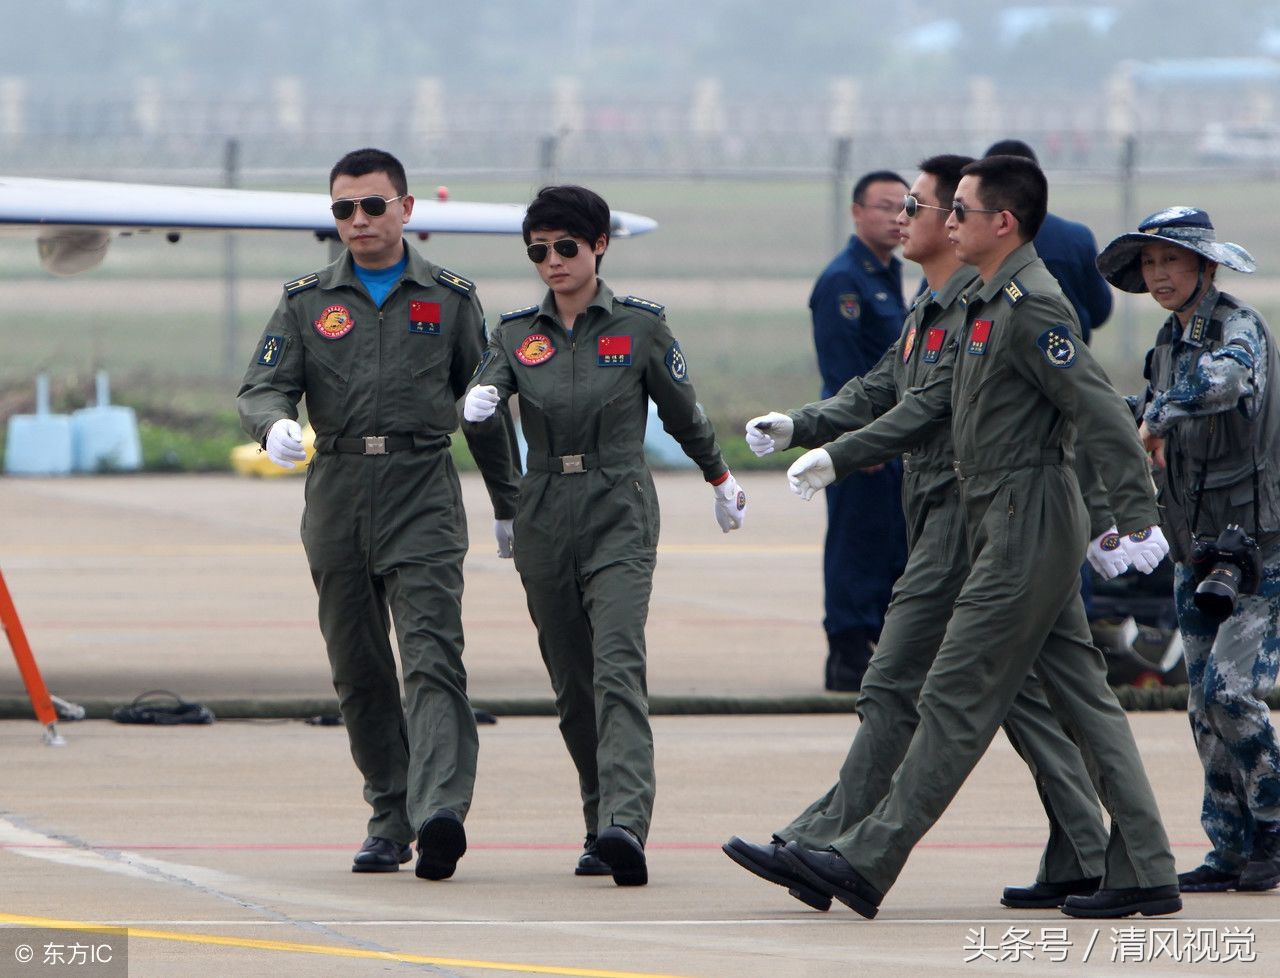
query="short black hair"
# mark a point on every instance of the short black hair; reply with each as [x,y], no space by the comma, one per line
[361,162]
[1013,183]
[1011,147]
[576,210]
[945,168]
[875,176]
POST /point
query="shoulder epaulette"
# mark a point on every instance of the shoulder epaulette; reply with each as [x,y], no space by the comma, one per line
[301,284]
[518,313]
[455,281]
[1014,292]
[653,307]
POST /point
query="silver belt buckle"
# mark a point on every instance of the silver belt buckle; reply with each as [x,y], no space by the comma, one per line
[571,464]
[375,444]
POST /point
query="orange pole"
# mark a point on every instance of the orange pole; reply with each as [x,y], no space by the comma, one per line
[36,690]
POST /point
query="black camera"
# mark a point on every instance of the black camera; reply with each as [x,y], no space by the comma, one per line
[1226,566]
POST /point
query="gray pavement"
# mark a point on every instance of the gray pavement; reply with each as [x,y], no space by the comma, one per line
[225,849]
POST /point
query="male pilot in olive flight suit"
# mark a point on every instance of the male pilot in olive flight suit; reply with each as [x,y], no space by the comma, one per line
[937,565]
[1022,385]
[381,343]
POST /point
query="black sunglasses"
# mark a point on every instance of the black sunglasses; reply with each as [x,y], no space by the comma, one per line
[912,206]
[565,248]
[375,206]
[961,210]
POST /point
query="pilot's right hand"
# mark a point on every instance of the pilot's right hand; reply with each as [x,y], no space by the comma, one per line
[284,443]
[770,432]
[481,402]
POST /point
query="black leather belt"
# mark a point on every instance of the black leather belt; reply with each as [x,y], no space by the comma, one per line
[371,444]
[563,464]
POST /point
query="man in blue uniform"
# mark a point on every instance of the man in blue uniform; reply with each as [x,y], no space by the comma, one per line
[1069,251]
[858,309]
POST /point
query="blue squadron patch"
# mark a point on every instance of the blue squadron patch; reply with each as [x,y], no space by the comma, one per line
[677,366]
[517,314]
[301,284]
[1057,345]
[637,302]
[850,306]
[270,352]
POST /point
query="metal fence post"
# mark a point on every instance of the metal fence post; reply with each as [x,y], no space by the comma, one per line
[840,186]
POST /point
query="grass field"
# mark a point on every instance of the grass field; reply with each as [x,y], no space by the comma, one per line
[732,261]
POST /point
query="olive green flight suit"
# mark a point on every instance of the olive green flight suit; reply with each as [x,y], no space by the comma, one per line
[1023,383]
[587,526]
[387,529]
[937,565]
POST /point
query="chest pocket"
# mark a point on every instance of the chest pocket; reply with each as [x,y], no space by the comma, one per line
[328,362]
[424,351]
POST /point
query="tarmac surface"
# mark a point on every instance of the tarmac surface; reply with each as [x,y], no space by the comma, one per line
[225,849]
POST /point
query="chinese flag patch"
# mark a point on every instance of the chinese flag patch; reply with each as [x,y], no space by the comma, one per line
[424,317]
[978,337]
[933,344]
[613,351]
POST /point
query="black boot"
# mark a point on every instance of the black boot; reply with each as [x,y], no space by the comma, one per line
[1262,872]
[848,654]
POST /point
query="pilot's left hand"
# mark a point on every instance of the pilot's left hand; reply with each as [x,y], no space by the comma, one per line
[1145,548]
[812,471]
[504,532]
[731,504]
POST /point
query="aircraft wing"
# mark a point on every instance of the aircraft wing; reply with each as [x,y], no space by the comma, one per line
[74,219]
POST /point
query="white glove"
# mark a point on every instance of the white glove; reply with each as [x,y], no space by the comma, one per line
[284,443]
[1145,548]
[505,533]
[812,471]
[731,504]
[770,432]
[480,404]
[1106,555]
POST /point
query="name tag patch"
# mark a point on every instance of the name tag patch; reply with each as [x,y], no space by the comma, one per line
[613,351]
[978,337]
[424,318]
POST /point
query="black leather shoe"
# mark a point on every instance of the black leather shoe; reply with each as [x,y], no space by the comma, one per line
[828,872]
[378,855]
[1150,901]
[848,654]
[623,852]
[1259,874]
[590,863]
[1206,879]
[1040,894]
[441,842]
[765,862]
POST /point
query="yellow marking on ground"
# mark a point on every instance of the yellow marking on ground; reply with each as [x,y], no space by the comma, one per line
[322,949]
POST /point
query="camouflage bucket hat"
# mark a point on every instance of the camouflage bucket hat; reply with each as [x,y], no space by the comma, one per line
[1186,227]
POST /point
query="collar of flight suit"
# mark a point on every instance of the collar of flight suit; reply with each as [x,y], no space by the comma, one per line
[959,282]
[1013,263]
[342,271]
[603,300]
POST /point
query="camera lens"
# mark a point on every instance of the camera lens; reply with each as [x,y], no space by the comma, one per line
[1217,594]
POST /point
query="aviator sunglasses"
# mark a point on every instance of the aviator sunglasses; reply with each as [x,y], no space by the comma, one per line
[374,206]
[565,248]
[962,210]
[912,206]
